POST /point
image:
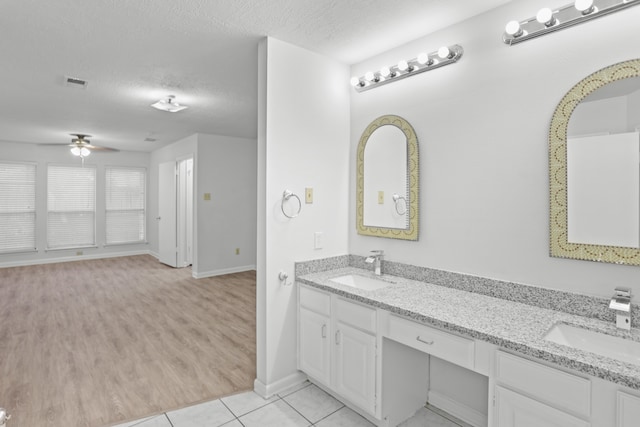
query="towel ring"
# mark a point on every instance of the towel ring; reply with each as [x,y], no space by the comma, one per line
[285,197]
[396,199]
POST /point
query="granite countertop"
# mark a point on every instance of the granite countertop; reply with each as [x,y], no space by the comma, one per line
[507,324]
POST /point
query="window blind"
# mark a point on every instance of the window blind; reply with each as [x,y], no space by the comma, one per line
[125,205]
[17,207]
[71,206]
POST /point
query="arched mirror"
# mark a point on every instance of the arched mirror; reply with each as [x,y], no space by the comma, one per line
[594,166]
[387,180]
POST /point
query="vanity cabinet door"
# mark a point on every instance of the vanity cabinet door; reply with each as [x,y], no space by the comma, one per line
[628,409]
[516,410]
[355,366]
[313,345]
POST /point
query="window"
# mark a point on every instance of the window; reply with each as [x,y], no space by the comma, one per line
[71,206]
[125,205]
[17,207]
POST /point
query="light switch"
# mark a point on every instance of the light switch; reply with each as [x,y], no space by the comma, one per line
[381,197]
[207,196]
[308,195]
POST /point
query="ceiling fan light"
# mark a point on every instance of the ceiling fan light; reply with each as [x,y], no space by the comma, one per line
[169,105]
[75,151]
[84,152]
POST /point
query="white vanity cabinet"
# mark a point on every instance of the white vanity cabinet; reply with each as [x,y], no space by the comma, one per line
[627,409]
[337,346]
[314,332]
[529,394]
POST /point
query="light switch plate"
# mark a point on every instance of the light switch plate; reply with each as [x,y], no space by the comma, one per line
[207,196]
[308,195]
[381,197]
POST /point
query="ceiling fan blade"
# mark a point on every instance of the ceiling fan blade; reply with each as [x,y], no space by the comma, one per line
[99,148]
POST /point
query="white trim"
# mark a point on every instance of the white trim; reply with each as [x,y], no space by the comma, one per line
[269,390]
[457,409]
[240,269]
[23,263]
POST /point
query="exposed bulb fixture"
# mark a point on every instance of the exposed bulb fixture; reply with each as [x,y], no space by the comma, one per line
[545,16]
[423,62]
[584,6]
[548,20]
[513,29]
[169,104]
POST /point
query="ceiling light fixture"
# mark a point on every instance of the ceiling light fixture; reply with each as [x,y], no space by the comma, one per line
[548,20]
[169,104]
[80,151]
[423,62]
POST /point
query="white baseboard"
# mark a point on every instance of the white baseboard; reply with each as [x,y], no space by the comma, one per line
[198,275]
[36,261]
[458,410]
[269,390]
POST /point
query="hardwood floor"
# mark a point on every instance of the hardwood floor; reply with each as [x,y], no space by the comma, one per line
[100,342]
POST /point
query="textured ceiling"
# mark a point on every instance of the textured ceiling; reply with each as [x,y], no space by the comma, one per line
[133,52]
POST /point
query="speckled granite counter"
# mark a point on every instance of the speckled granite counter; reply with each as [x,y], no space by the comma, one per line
[507,324]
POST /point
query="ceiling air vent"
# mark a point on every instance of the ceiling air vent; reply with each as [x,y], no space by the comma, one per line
[75,82]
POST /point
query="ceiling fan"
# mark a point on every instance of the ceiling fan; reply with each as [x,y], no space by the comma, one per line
[82,147]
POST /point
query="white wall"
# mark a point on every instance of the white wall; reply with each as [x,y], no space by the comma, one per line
[225,167]
[482,124]
[43,155]
[303,141]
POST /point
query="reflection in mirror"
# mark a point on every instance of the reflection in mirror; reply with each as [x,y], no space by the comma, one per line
[385,174]
[594,165]
[387,180]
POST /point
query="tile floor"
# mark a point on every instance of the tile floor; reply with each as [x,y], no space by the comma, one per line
[305,405]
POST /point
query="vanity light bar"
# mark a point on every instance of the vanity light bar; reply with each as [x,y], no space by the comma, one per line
[547,20]
[423,62]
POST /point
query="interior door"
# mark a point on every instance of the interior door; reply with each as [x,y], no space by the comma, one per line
[167,208]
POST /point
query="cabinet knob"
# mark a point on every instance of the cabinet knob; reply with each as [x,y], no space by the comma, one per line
[324,331]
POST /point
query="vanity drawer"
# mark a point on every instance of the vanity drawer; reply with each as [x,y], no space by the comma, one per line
[315,300]
[446,346]
[553,386]
[356,315]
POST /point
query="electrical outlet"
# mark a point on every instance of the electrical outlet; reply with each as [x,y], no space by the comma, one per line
[237,251]
[381,197]
[308,195]
[78,253]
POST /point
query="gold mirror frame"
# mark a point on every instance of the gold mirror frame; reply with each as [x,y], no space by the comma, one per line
[559,246]
[411,233]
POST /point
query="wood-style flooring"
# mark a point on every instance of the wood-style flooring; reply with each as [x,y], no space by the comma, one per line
[100,342]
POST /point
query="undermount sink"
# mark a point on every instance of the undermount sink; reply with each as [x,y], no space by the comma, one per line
[361,282]
[619,348]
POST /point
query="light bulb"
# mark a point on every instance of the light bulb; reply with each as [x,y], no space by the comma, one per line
[369,76]
[584,6]
[75,151]
[444,52]
[355,81]
[423,58]
[84,152]
[545,16]
[403,65]
[385,72]
[513,29]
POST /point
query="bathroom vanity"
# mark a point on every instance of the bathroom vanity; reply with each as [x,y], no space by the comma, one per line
[370,347]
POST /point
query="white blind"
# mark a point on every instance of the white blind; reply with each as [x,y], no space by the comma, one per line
[125,205]
[71,206]
[17,207]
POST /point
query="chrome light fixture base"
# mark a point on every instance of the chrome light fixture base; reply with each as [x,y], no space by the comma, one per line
[563,17]
[424,62]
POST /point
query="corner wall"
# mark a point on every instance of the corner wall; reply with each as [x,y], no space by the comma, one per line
[303,141]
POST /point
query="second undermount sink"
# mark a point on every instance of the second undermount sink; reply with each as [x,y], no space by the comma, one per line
[619,348]
[361,282]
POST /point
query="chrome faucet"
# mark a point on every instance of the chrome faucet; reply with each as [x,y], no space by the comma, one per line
[621,304]
[4,417]
[376,260]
